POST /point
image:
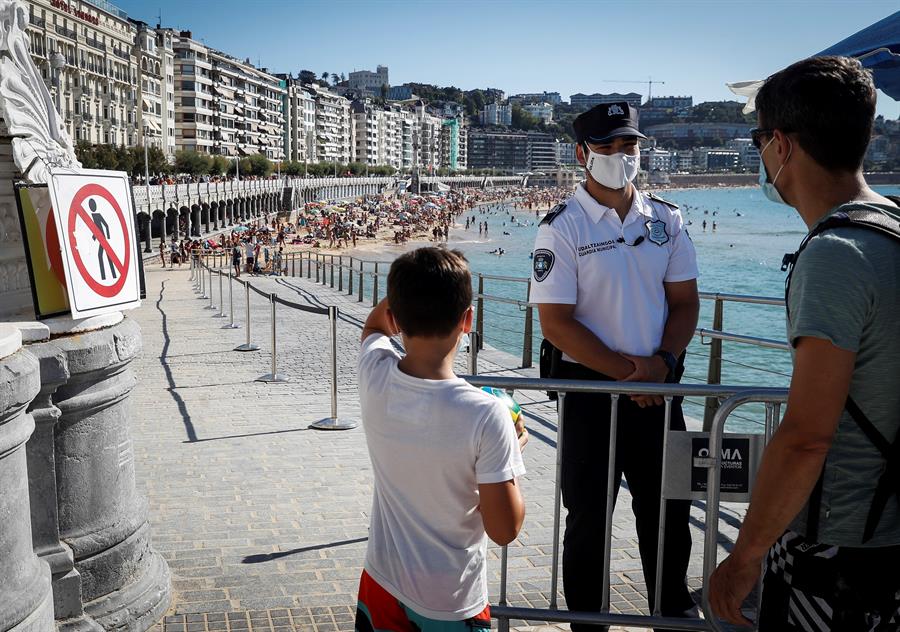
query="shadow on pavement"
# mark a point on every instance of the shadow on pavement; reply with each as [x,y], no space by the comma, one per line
[268,557]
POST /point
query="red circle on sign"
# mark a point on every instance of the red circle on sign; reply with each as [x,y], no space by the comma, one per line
[75,210]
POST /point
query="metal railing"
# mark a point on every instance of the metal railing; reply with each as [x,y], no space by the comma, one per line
[204,265]
[733,397]
[368,277]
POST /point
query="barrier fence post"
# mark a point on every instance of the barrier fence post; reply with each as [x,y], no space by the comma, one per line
[294,264]
[221,313]
[341,273]
[375,287]
[656,606]
[350,277]
[361,282]
[247,346]
[479,311]
[231,325]
[529,332]
[473,353]
[210,306]
[308,265]
[610,488]
[714,373]
[317,267]
[333,422]
[273,377]
[331,273]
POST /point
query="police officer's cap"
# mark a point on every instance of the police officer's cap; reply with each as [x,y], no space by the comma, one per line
[606,121]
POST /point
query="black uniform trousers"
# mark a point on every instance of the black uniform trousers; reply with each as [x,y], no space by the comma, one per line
[639,447]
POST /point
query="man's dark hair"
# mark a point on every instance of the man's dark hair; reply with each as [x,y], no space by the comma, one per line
[828,102]
[429,289]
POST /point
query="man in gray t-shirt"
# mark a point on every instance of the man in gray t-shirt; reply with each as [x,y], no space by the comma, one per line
[824,520]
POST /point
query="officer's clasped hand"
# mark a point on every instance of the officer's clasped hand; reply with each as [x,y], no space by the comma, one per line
[647,369]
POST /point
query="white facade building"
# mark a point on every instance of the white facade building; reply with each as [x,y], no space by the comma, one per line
[225,106]
[368,81]
[300,123]
[565,154]
[333,127]
[543,111]
[749,156]
[156,89]
[97,68]
[497,114]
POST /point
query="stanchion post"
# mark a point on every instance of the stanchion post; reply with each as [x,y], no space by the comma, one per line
[333,422]
[221,313]
[350,278]
[473,353]
[341,273]
[247,346]
[479,310]
[361,282]
[273,377]
[232,324]
[714,373]
[210,306]
[529,332]
[317,267]
[375,287]
[308,265]
[331,273]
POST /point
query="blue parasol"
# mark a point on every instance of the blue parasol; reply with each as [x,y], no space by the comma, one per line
[878,48]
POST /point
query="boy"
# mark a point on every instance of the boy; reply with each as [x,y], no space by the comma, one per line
[444,455]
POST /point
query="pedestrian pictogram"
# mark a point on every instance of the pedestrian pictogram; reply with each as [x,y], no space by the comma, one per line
[96,233]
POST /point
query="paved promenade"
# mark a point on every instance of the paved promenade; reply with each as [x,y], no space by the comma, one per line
[263,521]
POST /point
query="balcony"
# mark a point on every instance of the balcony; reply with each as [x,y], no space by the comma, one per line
[93,43]
[39,22]
[66,32]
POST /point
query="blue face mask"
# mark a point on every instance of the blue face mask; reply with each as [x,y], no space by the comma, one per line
[768,188]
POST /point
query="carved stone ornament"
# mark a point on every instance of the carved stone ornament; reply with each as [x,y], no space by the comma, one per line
[39,139]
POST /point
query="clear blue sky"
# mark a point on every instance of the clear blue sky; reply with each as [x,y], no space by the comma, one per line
[566,46]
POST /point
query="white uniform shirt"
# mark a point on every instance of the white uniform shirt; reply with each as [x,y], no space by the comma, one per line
[617,289]
[432,442]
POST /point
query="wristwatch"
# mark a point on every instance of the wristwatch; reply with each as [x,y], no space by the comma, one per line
[671,362]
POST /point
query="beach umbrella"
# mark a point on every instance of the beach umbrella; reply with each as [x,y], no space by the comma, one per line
[239,229]
[877,47]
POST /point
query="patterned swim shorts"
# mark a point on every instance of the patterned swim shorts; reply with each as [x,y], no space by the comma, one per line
[823,588]
[379,611]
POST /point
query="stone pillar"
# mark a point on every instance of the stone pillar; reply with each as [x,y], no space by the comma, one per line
[102,517]
[26,603]
[42,487]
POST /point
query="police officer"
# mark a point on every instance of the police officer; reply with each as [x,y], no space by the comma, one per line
[615,282]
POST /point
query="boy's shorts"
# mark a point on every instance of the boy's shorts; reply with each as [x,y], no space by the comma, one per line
[379,611]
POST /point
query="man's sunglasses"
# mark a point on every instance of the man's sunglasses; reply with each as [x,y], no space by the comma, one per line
[757,134]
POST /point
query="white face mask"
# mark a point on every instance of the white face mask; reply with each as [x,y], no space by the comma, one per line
[615,171]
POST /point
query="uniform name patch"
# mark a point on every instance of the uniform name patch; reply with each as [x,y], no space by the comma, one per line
[658,234]
[543,263]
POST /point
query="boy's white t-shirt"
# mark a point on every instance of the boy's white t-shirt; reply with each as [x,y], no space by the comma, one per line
[432,442]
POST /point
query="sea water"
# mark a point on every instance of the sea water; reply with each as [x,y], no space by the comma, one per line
[742,255]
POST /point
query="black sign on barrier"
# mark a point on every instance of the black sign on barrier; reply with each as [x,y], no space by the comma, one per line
[735,465]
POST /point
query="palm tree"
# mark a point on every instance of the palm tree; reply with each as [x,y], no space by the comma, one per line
[335,79]
[325,77]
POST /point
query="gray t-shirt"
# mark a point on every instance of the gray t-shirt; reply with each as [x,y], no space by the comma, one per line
[846,289]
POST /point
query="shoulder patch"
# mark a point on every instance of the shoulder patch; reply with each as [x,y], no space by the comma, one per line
[552,214]
[656,198]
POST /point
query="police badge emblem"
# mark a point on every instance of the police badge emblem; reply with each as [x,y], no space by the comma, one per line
[543,263]
[658,234]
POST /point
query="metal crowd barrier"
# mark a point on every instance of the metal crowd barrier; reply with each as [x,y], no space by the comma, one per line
[199,269]
[678,458]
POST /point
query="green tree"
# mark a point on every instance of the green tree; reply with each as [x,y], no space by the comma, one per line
[522,119]
[125,159]
[384,92]
[292,168]
[260,165]
[325,77]
[84,151]
[307,76]
[191,162]
[218,165]
[335,78]
[105,156]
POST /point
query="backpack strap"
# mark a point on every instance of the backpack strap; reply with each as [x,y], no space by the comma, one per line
[864,216]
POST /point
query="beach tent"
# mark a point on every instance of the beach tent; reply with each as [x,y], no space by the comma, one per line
[877,47]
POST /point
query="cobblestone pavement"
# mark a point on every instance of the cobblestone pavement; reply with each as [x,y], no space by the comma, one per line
[263,521]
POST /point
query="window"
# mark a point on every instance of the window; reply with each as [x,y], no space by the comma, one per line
[187,69]
[187,85]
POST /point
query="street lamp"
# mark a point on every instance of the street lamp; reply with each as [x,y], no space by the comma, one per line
[57,63]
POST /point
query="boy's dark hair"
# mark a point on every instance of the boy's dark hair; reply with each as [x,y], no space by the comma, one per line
[828,102]
[429,289]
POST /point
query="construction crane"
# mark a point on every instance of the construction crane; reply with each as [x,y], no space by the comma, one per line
[650,81]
